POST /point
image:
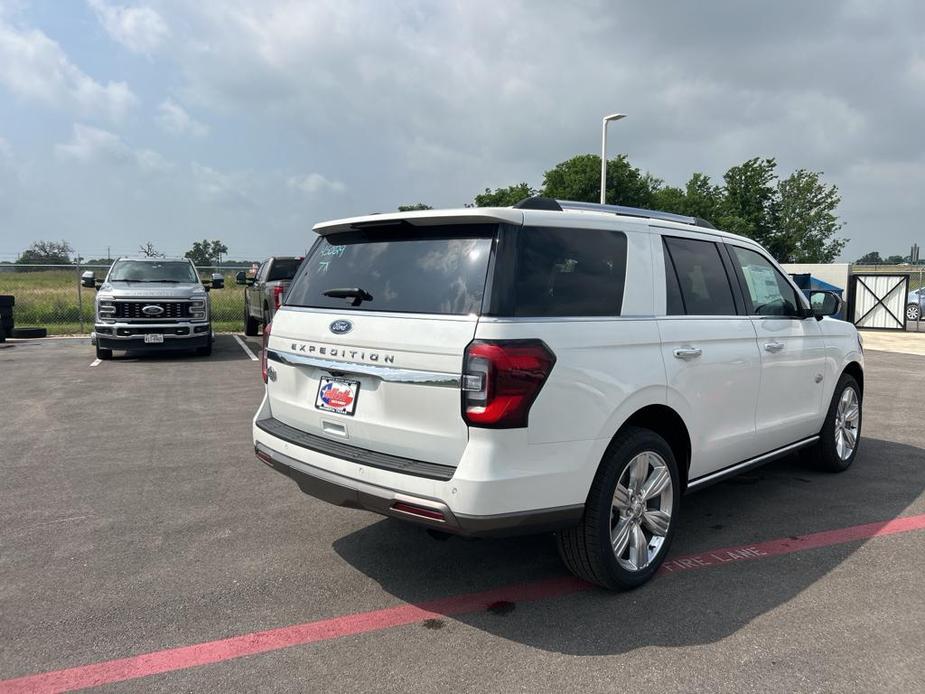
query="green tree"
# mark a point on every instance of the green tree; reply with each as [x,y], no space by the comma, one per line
[703,199]
[579,179]
[504,197]
[872,258]
[803,224]
[748,198]
[670,199]
[46,253]
[207,252]
[414,207]
[895,260]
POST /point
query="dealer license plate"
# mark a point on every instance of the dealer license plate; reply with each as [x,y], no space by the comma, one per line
[153,338]
[337,395]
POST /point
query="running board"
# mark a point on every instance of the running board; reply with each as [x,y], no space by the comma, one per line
[720,475]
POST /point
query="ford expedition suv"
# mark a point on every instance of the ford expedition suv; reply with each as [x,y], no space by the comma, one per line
[152,304]
[549,366]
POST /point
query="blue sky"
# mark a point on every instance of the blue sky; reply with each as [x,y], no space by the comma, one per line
[168,121]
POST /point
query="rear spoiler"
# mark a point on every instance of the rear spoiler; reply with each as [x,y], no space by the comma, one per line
[423,218]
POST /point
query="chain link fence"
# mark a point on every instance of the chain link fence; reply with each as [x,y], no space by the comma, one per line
[51,297]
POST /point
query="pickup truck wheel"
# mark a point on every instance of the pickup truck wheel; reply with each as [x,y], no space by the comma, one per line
[103,354]
[250,324]
[629,515]
[206,350]
[840,437]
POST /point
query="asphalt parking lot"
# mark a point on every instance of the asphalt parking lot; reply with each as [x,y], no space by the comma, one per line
[135,521]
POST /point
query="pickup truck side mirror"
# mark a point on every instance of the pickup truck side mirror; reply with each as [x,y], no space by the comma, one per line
[218,280]
[824,303]
[240,278]
[88,279]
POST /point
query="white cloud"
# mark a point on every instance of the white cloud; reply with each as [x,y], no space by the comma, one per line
[313,183]
[140,29]
[91,145]
[224,188]
[174,119]
[35,67]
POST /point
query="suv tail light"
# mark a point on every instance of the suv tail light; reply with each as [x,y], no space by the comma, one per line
[263,354]
[277,296]
[501,379]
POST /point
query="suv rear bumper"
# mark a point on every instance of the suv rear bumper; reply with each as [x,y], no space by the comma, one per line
[345,491]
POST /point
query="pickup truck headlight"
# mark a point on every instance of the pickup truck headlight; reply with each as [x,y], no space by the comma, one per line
[197,309]
[106,310]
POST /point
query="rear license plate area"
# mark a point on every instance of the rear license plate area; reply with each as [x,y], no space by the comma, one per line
[337,395]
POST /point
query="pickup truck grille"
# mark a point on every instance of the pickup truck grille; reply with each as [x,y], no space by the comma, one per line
[134,310]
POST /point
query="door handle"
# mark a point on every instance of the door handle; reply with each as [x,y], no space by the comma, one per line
[688,352]
[774,346]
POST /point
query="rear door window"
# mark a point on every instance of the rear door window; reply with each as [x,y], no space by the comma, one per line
[701,277]
[569,272]
[437,269]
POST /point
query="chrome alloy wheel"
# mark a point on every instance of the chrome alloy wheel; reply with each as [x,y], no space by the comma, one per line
[641,511]
[913,312]
[846,423]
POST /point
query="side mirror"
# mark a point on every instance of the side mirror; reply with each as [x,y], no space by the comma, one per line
[218,280]
[824,303]
[88,279]
[250,281]
[240,278]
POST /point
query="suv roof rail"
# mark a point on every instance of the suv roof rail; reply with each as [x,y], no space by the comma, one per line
[540,203]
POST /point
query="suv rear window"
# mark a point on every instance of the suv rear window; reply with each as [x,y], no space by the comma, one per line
[284,269]
[438,269]
[569,272]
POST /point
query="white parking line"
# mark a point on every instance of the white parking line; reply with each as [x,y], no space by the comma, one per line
[95,362]
[247,350]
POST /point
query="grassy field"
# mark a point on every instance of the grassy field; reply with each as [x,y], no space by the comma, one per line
[49,299]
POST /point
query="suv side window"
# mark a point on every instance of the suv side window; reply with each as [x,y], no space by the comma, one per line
[569,272]
[766,290]
[702,285]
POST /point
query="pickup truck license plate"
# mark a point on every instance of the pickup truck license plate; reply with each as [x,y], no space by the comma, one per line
[337,395]
[153,338]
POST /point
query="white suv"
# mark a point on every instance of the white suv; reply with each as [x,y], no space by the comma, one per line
[552,366]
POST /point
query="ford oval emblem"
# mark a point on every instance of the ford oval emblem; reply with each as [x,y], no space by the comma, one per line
[341,327]
[152,310]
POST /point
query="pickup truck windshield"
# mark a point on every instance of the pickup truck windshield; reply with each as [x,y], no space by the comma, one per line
[146,271]
[438,269]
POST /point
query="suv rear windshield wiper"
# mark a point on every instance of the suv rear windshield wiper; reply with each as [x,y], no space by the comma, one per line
[358,295]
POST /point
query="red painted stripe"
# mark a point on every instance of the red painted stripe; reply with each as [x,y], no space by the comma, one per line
[262,641]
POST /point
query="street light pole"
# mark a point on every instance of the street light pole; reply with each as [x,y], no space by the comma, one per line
[607,119]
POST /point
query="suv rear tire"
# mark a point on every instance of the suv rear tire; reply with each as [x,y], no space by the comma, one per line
[624,534]
[840,437]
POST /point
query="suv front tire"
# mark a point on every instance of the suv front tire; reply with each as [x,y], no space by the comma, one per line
[629,516]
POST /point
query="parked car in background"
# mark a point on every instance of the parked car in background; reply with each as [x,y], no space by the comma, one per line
[152,304]
[549,366]
[915,304]
[263,293]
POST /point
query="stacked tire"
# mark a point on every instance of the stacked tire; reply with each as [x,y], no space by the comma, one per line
[6,316]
